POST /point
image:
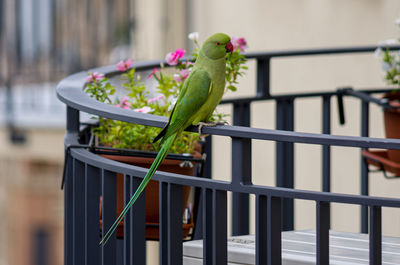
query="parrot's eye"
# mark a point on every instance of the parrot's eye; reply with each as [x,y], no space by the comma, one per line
[218,43]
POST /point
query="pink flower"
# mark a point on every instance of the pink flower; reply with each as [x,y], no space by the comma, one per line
[173,57]
[155,99]
[239,43]
[124,65]
[183,74]
[124,103]
[94,77]
[145,109]
[155,70]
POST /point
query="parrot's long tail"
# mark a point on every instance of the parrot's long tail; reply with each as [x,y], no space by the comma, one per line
[159,159]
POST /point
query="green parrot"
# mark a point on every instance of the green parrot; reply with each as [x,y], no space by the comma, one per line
[201,93]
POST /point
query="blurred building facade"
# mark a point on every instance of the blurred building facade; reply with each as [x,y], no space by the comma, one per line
[42,41]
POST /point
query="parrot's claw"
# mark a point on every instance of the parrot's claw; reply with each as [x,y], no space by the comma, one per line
[209,124]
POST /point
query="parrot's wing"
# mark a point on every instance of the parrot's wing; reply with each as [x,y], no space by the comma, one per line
[193,95]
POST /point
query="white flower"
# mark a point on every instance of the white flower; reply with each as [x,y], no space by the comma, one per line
[388,42]
[194,36]
[173,102]
[378,52]
[397,21]
[386,66]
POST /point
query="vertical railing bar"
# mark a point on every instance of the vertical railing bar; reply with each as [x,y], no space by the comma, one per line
[241,171]
[220,234]
[263,77]
[163,209]
[127,228]
[326,154]
[208,162]
[198,214]
[274,243]
[339,97]
[207,173]
[109,202]
[285,159]
[261,230]
[71,126]
[92,215]
[138,225]
[322,232]
[79,213]
[207,227]
[326,149]
[175,250]
[68,212]
[364,166]
[72,120]
[375,235]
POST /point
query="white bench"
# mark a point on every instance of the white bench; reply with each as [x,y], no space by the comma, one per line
[298,247]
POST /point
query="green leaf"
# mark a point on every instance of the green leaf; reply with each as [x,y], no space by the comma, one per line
[232,88]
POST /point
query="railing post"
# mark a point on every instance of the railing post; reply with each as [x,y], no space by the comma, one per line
[72,120]
[74,191]
[208,163]
[92,215]
[364,166]
[274,223]
[109,212]
[322,232]
[263,77]
[241,171]
[127,246]
[138,225]
[78,237]
[134,224]
[68,212]
[163,209]
[339,97]
[220,245]
[261,230]
[207,227]
[375,235]
[285,159]
[326,149]
[174,224]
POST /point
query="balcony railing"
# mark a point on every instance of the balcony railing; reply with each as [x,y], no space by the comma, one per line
[90,176]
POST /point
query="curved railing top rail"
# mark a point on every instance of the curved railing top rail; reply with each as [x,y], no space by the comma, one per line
[70,91]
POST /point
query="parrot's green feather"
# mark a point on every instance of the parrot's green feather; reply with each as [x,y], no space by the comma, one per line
[200,94]
[196,91]
[164,130]
[157,161]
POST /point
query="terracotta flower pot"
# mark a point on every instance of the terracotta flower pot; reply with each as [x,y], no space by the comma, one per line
[392,123]
[151,192]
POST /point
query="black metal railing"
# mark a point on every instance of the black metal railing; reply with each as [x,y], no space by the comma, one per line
[90,176]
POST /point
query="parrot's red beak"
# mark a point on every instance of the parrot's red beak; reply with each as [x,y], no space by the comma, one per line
[229,47]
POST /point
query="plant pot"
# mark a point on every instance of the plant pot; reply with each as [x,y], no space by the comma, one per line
[151,192]
[381,160]
[392,123]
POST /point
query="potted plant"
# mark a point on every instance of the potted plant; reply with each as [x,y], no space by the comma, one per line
[160,101]
[391,67]
[389,160]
